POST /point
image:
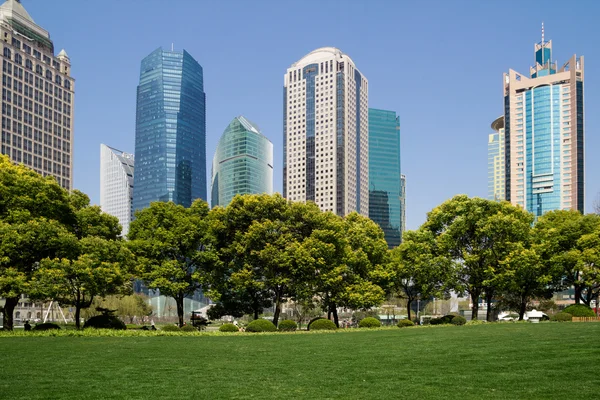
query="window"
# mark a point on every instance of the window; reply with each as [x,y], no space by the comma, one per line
[7,53]
[48,74]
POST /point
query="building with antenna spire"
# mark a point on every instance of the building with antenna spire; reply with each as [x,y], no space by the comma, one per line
[544,134]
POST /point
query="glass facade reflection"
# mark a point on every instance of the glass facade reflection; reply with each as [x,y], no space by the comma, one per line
[385,184]
[243,163]
[170,140]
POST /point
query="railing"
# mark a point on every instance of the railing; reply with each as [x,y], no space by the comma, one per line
[586,319]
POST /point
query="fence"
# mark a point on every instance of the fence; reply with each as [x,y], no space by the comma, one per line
[586,319]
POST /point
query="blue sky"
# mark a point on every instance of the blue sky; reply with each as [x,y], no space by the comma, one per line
[439,64]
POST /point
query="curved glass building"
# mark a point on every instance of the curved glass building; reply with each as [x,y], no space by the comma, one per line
[243,163]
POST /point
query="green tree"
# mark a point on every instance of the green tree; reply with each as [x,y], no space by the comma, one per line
[173,248]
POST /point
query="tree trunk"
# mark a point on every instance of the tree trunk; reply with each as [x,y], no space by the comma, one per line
[179,302]
[77,316]
[475,308]
[335,316]
[488,298]
[9,310]
[408,304]
[522,308]
[577,294]
[277,309]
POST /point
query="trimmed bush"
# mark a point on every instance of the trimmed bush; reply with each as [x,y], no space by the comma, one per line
[170,328]
[446,319]
[322,324]
[562,317]
[369,322]
[261,325]
[458,320]
[188,328]
[228,328]
[48,326]
[105,322]
[287,325]
[404,323]
[579,310]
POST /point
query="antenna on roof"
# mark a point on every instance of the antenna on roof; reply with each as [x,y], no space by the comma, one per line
[173,44]
[542,33]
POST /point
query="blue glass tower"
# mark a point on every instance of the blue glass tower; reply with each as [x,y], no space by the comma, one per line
[170,137]
[385,182]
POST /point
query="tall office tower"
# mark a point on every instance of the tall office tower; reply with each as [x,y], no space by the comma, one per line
[403,201]
[116,185]
[326,133]
[170,134]
[243,163]
[544,135]
[496,157]
[37,97]
[385,206]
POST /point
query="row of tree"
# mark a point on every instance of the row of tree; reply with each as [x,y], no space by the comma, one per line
[262,251]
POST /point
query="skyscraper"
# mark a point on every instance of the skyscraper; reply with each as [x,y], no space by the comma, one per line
[37,97]
[243,163]
[544,135]
[325,144]
[116,185]
[403,201]
[170,135]
[385,188]
[496,169]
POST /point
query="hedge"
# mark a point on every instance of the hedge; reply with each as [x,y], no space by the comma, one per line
[261,325]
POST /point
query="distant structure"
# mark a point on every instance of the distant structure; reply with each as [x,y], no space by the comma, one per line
[325,128]
[385,182]
[496,161]
[403,201]
[37,97]
[116,185]
[170,135]
[243,163]
[544,134]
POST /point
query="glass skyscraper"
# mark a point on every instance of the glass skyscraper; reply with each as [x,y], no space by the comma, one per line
[116,185]
[243,163]
[544,134]
[496,157]
[385,180]
[170,137]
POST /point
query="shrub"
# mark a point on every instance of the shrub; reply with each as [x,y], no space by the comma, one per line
[261,325]
[579,310]
[170,328]
[228,328]
[403,323]
[446,319]
[45,327]
[458,320]
[562,317]
[369,322]
[287,325]
[188,328]
[105,322]
[322,324]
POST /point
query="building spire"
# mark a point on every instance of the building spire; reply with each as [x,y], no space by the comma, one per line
[542,33]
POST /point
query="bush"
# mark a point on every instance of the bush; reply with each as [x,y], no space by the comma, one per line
[579,310]
[105,322]
[228,328]
[188,328]
[369,322]
[170,328]
[458,320]
[287,325]
[261,325]
[48,326]
[446,319]
[322,324]
[403,323]
[562,317]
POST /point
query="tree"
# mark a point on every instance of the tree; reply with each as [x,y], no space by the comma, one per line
[173,248]
[418,271]
[476,235]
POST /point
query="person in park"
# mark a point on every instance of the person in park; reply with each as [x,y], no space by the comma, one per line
[27,326]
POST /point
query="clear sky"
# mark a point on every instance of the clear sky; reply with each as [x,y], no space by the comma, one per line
[438,64]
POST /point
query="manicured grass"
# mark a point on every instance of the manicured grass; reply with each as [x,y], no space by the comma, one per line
[496,361]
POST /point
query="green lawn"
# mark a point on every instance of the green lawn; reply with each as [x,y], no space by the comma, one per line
[499,361]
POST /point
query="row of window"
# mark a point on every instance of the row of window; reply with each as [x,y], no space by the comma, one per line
[18,59]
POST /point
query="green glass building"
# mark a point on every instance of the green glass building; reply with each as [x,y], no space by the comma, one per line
[243,163]
[385,188]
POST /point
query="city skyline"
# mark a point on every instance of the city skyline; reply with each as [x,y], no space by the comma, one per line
[427,142]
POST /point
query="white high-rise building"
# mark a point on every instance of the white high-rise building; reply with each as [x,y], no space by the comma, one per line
[116,185]
[326,133]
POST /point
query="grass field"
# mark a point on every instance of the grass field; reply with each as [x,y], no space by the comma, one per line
[496,361]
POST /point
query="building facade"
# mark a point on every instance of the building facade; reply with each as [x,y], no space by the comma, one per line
[37,97]
[170,135]
[243,163]
[326,124]
[385,185]
[403,201]
[116,185]
[544,134]
[496,166]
